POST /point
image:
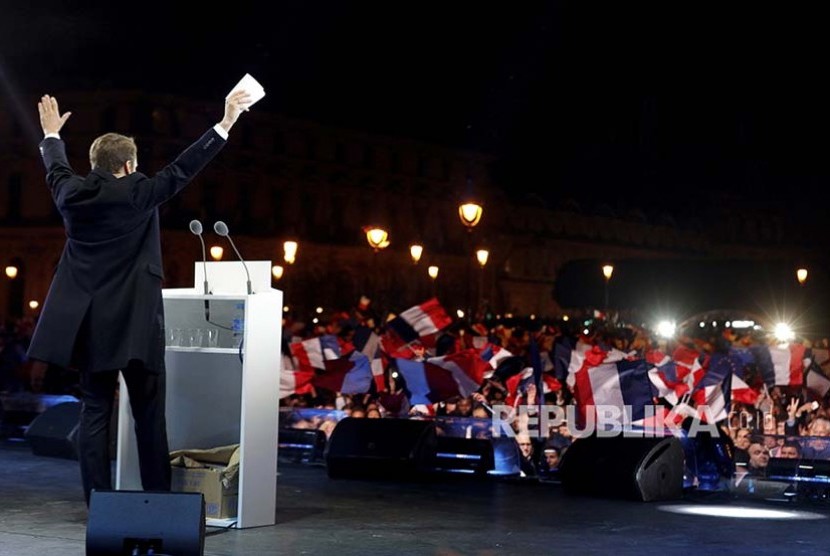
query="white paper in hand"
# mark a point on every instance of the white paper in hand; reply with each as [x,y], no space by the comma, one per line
[250,86]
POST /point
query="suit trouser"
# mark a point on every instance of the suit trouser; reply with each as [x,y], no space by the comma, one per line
[147,393]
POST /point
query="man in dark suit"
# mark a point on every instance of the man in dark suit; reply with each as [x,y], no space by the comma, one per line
[103,313]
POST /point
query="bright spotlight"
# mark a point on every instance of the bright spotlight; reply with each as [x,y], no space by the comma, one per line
[783,332]
[666,329]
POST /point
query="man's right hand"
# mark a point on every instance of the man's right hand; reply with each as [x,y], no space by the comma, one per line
[235,104]
[50,118]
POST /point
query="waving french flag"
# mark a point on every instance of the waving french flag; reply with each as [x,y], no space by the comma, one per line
[369,344]
[421,320]
[293,381]
[789,362]
[312,353]
[351,374]
[619,383]
[427,382]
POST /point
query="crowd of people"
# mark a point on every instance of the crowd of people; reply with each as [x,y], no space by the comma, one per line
[784,421]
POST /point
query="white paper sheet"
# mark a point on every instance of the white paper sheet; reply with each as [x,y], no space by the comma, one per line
[250,86]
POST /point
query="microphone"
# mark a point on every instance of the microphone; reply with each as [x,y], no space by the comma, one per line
[196,229]
[222,229]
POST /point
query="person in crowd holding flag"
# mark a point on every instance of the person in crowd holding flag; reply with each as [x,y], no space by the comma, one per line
[103,313]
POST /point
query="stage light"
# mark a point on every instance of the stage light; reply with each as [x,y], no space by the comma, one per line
[783,332]
[739,512]
[743,323]
[666,329]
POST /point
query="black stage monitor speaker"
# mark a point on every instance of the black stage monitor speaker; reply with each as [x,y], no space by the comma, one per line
[134,522]
[464,455]
[301,445]
[645,469]
[55,431]
[380,448]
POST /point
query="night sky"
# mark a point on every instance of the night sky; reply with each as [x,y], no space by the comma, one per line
[658,105]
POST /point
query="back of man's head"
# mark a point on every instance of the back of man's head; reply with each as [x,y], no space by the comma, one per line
[111,151]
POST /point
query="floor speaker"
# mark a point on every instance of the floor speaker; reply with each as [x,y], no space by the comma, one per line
[380,448]
[55,431]
[644,469]
[135,522]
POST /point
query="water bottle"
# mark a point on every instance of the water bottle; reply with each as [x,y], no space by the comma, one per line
[238,324]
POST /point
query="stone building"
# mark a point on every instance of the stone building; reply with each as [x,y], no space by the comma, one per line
[282,178]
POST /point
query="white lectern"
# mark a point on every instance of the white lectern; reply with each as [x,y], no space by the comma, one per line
[224,394]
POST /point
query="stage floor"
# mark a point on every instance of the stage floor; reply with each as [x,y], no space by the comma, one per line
[42,512]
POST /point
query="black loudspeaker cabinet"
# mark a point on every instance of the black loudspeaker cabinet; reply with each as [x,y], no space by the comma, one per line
[54,432]
[301,445]
[380,448]
[122,521]
[644,469]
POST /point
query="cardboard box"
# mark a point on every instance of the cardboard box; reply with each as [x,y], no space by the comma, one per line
[214,473]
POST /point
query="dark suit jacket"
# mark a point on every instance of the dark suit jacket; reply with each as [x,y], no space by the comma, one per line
[108,281]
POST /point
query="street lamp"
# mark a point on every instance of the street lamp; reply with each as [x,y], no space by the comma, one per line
[277,271]
[33,304]
[482,255]
[415,251]
[289,249]
[801,275]
[432,271]
[470,214]
[216,252]
[377,237]
[607,272]
[11,271]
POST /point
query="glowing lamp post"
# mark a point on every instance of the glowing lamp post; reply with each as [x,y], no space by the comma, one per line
[377,237]
[216,252]
[801,276]
[432,271]
[415,251]
[289,249]
[607,272]
[470,214]
[277,271]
